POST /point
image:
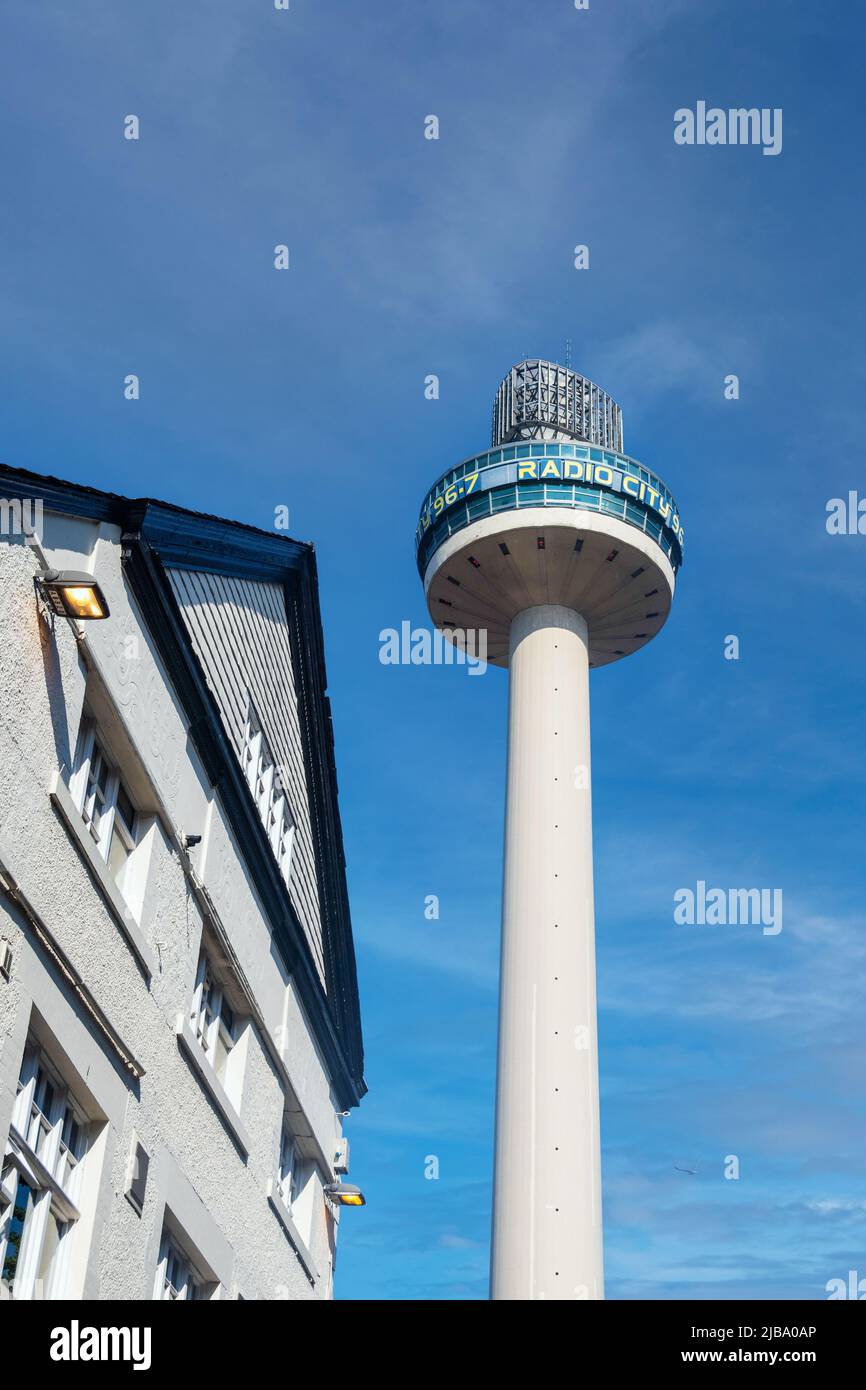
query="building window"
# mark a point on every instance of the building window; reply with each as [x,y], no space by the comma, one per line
[177,1277]
[106,806]
[40,1180]
[213,1019]
[269,794]
[295,1182]
[288,1166]
[136,1176]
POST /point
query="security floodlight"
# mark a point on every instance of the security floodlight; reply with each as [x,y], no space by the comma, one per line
[72,594]
[345,1194]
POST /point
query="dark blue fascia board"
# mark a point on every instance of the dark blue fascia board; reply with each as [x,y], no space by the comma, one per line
[183,538]
[193,540]
[59,496]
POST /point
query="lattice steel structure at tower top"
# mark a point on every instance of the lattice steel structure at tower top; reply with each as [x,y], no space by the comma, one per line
[542,400]
[551,514]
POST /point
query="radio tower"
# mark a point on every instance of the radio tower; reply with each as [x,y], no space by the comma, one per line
[566,551]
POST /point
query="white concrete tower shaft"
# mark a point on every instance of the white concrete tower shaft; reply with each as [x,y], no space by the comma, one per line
[547,1231]
[563,552]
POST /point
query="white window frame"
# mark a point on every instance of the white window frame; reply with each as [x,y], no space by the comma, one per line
[212,1017]
[177,1278]
[304,1191]
[269,794]
[90,797]
[30,1282]
[295,1174]
[287,1163]
[45,1155]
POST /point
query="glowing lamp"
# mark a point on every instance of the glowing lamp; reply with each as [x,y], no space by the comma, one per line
[73,594]
[345,1194]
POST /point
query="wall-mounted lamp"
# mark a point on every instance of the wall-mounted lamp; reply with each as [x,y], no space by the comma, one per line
[72,594]
[345,1194]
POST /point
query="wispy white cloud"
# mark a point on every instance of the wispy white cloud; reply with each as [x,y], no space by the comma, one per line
[673,355]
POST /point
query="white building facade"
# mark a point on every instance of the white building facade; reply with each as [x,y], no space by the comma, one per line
[179,1020]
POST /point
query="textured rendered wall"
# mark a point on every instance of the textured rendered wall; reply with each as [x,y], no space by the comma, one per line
[43,685]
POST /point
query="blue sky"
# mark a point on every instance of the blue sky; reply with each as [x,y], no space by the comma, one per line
[305,388]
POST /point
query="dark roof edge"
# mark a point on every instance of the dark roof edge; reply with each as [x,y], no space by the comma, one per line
[179,532]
